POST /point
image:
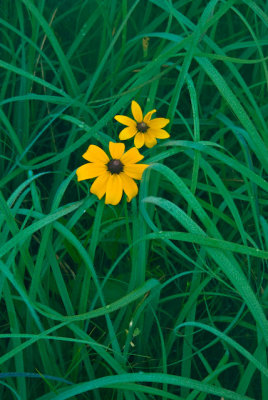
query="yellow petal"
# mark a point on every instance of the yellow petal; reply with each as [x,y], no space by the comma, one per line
[129,186]
[159,133]
[148,116]
[90,170]
[135,170]
[95,154]
[136,111]
[98,187]
[127,133]
[158,123]
[139,140]
[125,120]
[114,190]
[116,150]
[149,140]
[131,156]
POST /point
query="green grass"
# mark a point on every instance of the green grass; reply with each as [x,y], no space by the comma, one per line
[165,297]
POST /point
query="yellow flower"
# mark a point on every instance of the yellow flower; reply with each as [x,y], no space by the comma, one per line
[113,175]
[145,129]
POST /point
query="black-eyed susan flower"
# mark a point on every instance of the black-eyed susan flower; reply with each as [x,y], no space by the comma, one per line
[145,129]
[113,175]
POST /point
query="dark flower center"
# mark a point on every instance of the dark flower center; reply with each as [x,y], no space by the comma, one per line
[115,166]
[142,127]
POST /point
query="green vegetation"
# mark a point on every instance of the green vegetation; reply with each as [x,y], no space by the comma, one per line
[164,297]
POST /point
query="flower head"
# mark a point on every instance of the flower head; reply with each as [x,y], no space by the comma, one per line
[145,129]
[113,175]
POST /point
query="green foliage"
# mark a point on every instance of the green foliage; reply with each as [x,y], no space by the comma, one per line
[165,297]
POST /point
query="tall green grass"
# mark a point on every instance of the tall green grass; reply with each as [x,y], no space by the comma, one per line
[164,297]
